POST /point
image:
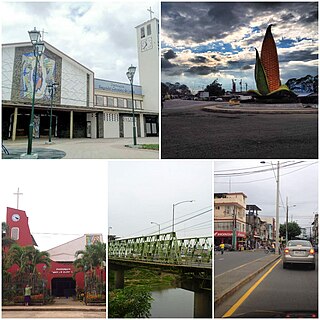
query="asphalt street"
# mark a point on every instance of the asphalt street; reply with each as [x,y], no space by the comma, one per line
[293,290]
[233,259]
[191,133]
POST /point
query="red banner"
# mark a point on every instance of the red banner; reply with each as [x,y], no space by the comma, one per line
[228,233]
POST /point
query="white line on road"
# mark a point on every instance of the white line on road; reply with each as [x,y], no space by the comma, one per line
[221,274]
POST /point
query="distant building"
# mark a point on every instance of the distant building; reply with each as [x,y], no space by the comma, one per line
[229,213]
[253,225]
[315,233]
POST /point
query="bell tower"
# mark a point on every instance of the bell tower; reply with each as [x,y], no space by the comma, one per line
[17,222]
[148,57]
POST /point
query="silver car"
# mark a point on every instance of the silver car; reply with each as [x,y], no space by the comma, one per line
[298,251]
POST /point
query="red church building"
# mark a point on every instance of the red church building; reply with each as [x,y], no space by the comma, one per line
[59,277]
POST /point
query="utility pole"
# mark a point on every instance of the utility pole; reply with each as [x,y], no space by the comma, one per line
[287,211]
[277,208]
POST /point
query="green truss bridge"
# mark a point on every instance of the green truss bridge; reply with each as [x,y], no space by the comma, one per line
[190,258]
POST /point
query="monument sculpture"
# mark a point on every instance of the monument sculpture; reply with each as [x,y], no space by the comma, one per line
[267,74]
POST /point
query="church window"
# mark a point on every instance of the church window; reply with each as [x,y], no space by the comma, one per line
[142,32]
[15,233]
[110,101]
[120,103]
[148,29]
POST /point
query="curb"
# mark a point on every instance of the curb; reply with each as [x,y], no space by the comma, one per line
[255,111]
[53,309]
[241,283]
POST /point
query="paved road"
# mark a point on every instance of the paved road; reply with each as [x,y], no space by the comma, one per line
[284,290]
[52,314]
[189,132]
[233,259]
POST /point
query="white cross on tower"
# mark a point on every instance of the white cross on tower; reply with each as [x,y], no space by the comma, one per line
[43,32]
[18,194]
[151,12]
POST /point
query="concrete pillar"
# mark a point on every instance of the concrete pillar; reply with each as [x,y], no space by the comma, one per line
[202,305]
[71,124]
[14,126]
[119,277]
[143,134]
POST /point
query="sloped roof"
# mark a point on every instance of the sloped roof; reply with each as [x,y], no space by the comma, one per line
[66,252]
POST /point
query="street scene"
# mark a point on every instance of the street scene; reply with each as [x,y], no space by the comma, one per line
[57,88]
[53,247]
[266,239]
[241,83]
[160,239]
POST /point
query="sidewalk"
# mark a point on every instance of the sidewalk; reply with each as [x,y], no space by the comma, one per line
[229,282]
[61,304]
[256,108]
[83,148]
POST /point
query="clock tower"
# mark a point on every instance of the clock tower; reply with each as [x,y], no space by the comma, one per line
[19,230]
[148,57]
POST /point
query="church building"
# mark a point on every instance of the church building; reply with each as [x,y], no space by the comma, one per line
[82,106]
[59,277]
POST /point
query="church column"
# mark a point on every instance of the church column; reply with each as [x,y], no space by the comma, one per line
[71,124]
[15,121]
[142,128]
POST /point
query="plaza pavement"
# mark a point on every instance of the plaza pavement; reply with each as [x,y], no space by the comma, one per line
[231,281]
[83,148]
[256,108]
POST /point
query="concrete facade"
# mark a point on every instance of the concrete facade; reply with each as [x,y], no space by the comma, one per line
[229,210]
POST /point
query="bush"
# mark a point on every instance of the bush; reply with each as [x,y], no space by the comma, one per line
[129,302]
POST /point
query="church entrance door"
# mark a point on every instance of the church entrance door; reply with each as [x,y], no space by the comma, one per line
[63,287]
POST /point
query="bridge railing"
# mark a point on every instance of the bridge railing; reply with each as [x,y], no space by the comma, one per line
[164,248]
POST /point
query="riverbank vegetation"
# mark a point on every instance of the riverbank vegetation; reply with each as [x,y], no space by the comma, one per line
[134,301]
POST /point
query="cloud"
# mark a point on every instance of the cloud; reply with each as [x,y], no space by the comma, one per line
[199,59]
[201,70]
[170,54]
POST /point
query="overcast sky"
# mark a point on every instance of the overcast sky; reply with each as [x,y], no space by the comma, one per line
[141,192]
[101,35]
[298,182]
[203,41]
[68,198]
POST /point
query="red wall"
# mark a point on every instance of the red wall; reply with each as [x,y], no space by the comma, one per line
[25,238]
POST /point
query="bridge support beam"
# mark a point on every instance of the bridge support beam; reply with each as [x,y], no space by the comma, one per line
[202,305]
[119,279]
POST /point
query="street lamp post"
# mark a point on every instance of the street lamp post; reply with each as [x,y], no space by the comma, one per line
[52,89]
[157,225]
[38,49]
[173,206]
[130,75]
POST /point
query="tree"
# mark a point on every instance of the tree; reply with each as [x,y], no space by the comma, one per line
[6,240]
[130,302]
[215,88]
[293,230]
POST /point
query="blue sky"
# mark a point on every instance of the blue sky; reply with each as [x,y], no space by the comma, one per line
[204,41]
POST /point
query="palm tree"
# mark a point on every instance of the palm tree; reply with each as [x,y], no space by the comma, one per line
[27,258]
[92,258]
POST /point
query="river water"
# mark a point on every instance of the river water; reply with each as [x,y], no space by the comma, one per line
[172,303]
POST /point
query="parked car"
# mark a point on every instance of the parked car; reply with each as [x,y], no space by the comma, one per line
[299,252]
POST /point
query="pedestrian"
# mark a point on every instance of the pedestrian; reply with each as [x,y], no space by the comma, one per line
[221,247]
[27,295]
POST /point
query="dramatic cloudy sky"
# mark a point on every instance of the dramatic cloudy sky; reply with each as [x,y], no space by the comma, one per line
[203,41]
[100,35]
[298,182]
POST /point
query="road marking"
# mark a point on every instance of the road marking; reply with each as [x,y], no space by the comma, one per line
[221,274]
[231,311]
